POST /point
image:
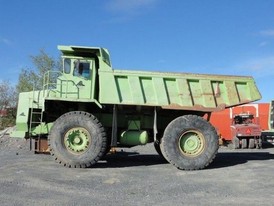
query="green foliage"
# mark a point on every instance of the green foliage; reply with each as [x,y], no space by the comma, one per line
[30,79]
[27,80]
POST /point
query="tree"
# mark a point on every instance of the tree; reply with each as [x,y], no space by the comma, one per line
[27,80]
[30,79]
[8,101]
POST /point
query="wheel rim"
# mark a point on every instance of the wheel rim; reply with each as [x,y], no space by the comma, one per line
[191,143]
[77,140]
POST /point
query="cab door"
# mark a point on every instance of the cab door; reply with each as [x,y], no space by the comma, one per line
[83,77]
[77,80]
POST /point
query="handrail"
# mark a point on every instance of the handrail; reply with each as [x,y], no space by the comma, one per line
[53,86]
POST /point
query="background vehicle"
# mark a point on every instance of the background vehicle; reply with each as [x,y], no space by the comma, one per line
[245,131]
[262,113]
[91,108]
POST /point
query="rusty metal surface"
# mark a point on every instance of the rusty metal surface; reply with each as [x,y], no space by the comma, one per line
[41,146]
[195,108]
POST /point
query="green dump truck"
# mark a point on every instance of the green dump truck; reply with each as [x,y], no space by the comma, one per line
[90,108]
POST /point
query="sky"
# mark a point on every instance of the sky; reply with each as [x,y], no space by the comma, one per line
[231,37]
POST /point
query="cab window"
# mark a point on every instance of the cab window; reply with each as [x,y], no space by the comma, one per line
[82,68]
[67,66]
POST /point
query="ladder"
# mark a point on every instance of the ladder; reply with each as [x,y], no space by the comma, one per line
[36,119]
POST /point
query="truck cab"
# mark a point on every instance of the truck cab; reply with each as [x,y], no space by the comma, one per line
[79,76]
[75,87]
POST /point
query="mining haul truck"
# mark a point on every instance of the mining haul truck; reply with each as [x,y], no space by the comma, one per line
[246,132]
[92,108]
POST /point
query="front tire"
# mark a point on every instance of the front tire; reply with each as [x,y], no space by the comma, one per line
[77,139]
[190,142]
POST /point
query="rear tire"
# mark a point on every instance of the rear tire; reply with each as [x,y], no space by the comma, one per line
[77,139]
[236,143]
[190,142]
[259,144]
[244,143]
[251,143]
[157,148]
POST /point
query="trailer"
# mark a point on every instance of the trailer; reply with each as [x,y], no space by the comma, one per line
[91,108]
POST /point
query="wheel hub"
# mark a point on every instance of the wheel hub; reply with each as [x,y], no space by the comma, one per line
[191,143]
[77,140]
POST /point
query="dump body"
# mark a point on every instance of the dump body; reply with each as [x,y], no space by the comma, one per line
[176,91]
[90,108]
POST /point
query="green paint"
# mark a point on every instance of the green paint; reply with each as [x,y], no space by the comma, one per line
[132,138]
[191,143]
[77,140]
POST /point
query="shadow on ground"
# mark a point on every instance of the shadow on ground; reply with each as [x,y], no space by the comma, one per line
[129,159]
[223,159]
[229,159]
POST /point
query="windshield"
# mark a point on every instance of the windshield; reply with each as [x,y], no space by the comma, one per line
[82,68]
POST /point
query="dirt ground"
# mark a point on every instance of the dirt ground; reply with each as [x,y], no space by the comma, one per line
[136,176]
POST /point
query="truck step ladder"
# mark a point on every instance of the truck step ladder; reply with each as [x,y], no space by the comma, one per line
[36,119]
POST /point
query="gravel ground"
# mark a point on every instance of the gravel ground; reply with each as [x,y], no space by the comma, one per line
[136,176]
